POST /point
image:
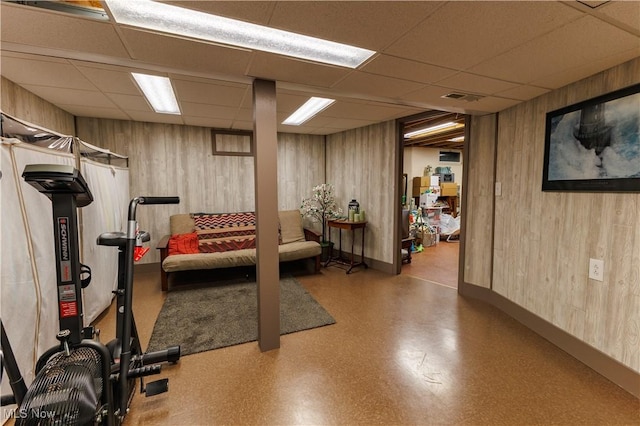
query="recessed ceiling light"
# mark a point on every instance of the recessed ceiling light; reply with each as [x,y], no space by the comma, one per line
[434,129]
[307,110]
[204,26]
[159,92]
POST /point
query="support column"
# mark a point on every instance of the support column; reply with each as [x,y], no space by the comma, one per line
[265,148]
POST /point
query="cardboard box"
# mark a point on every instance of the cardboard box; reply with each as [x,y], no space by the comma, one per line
[428,199]
[419,190]
[421,181]
[448,189]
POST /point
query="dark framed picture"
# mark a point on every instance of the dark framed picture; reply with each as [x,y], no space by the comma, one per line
[594,145]
[232,142]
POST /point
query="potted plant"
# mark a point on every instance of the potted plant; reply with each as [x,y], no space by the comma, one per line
[320,208]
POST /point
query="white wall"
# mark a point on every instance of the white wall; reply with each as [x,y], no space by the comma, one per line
[417,158]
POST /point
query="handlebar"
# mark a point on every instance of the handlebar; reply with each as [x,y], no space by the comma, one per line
[159,200]
[149,200]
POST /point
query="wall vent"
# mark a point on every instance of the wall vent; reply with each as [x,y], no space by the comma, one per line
[468,97]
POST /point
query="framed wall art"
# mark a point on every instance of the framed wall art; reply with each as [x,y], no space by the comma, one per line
[594,145]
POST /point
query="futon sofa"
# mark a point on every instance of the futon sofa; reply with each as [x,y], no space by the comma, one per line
[201,241]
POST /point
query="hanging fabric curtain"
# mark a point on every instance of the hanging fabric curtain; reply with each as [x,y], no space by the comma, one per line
[28,286]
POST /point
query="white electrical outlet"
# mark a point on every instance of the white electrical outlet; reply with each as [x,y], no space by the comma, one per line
[596,269]
[498,189]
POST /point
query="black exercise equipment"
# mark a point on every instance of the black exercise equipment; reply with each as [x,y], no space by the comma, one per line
[82,381]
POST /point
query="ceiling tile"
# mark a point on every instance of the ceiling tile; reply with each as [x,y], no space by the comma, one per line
[348,123]
[623,13]
[243,125]
[66,96]
[287,102]
[489,104]
[431,96]
[565,77]
[109,79]
[462,34]
[182,54]
[208,92]
[203,110]
[244,114]
[85,111]
[375,85]
[477,84]
[38,27]
[391,66]
[33,70]
[207,122]
[585,40]
[372,25]
[130,102]
[366,111]
[153,117]
[279,68]
[522,93]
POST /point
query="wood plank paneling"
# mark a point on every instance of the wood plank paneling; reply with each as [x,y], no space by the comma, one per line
[24,105]
[543,240]
[300,168]
[360,164]
[168,159]
[479,199]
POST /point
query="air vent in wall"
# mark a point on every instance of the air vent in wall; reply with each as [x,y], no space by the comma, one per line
[469,97]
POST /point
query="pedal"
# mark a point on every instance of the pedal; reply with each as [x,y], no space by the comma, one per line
[157,387]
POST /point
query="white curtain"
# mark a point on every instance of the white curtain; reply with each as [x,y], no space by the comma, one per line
[28,286]
[109,186]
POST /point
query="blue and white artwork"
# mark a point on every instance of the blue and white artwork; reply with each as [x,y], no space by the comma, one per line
[600,141]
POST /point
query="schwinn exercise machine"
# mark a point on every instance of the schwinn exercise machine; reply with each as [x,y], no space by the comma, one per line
[83,381]
[125,348]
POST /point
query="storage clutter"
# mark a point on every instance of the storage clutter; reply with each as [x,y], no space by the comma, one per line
[423,229]
[429,226]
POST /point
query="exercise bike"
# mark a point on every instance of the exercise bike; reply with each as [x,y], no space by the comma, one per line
[83,381]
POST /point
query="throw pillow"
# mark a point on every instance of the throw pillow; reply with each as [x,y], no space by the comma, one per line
[183,244]
[291,226]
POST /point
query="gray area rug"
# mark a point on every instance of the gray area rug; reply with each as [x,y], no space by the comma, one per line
[206,318]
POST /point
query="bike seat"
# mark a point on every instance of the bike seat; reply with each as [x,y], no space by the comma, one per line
[119,239]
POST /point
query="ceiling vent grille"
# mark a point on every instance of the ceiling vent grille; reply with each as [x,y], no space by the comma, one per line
[468,97]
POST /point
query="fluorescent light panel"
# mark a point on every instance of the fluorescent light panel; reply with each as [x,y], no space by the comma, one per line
[433,129]
[204,26]
[159,92]
[307,110]
[458,139]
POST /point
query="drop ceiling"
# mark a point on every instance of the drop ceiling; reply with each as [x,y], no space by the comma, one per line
[502,53]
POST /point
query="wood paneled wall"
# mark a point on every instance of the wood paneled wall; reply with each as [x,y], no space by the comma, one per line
[24,105]
[169,159]
[479,201]
[300,168]
[360,164]
[543,240]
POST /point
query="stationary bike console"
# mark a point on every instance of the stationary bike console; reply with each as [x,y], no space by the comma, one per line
[67,190]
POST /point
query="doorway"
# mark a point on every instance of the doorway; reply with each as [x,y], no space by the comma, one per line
[432,146]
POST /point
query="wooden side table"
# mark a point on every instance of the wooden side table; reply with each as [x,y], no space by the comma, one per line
[348,226]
